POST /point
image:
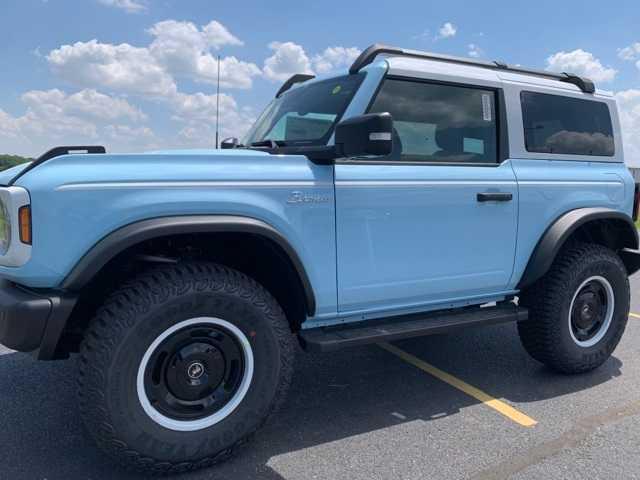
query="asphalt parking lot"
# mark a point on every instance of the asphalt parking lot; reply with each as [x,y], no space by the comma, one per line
[471,405]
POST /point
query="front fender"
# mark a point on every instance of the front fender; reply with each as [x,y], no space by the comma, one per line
[77,201]
[135,233]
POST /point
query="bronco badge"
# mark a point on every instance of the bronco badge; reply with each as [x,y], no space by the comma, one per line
[301,197]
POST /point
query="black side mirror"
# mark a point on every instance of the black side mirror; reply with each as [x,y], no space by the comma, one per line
[365,135]
[230,142]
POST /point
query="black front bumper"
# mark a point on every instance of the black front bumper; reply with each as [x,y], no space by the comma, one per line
[32,321]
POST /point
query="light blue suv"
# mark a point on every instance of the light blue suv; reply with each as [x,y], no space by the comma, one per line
[415,194]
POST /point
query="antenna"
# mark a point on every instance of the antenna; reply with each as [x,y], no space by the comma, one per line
[218,104]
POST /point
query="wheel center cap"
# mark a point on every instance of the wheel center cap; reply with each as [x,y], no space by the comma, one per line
[195,370]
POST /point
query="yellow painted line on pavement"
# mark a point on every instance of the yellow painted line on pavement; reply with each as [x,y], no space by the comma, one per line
[634,315]
[498,405]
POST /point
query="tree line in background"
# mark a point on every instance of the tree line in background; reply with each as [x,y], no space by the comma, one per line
[8,161]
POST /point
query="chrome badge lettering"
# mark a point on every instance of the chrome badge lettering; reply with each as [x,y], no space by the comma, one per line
[296,197]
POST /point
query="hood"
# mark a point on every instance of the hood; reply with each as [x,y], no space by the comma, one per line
[241,152]
[98,159]
[7,175]
[158,167]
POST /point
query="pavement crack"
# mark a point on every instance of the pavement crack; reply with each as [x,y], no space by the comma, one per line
[570,439]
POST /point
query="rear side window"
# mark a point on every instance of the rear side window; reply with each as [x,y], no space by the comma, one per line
[439,123]
[566,125]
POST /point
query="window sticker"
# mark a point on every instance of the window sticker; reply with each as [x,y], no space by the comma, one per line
[486,107]
[336,90]
[473,145]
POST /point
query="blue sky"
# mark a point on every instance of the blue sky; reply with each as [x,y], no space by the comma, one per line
[140,74]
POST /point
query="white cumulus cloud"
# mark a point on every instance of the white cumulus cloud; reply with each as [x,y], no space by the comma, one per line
[217,35]
[127,136]
[9,127]
[631,52]
[474,51]
[333,58]
[178,49]
[86,103]
[447,30]
[234,73]
[629,108]
[290,58]
[54,117]
[129,6]
[108,75]
[200,106]
[121,67]
[582,63]
[197,112]
[184,50]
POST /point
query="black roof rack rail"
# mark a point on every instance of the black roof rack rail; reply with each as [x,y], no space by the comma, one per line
[57,152]
[297,78]
[369,55]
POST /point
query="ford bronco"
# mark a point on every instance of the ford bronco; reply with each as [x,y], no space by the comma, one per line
[414,194]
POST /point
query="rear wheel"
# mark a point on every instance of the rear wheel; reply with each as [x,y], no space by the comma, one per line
[182,365]
[578,311]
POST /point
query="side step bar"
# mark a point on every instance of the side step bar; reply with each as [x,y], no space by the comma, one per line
[326,339]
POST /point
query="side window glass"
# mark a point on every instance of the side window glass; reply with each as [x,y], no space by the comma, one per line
[558,124]
[439,123]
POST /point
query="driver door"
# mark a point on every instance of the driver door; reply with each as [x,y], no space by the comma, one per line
[435,221]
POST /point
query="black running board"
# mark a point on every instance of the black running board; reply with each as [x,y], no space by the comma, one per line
[326,339]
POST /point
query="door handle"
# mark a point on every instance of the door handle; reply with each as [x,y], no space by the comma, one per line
[495,197]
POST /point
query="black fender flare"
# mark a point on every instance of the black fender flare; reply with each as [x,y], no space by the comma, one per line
[557,234]
[119,240]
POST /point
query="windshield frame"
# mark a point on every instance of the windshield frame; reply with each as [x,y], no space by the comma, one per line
[322,141]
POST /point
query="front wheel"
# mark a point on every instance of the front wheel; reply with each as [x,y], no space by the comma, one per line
[578,311]
[182,365]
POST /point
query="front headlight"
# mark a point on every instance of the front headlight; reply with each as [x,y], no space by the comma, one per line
[5,228]
[15,226]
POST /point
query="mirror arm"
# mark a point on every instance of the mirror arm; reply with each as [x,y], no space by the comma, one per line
[229,143]
[324,155]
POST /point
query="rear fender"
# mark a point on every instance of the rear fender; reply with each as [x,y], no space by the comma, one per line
[622,235]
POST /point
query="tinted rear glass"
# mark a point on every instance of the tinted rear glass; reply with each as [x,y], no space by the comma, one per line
[566,125]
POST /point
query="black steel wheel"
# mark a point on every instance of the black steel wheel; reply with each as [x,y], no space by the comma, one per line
[195,374]
[591,311]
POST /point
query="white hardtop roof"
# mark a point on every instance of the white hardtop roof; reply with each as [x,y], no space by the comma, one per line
[427,68]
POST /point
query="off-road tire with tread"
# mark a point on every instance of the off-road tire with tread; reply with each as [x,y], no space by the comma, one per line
[546,334]
[142,309]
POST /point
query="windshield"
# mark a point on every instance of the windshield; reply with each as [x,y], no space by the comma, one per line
[305,115]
